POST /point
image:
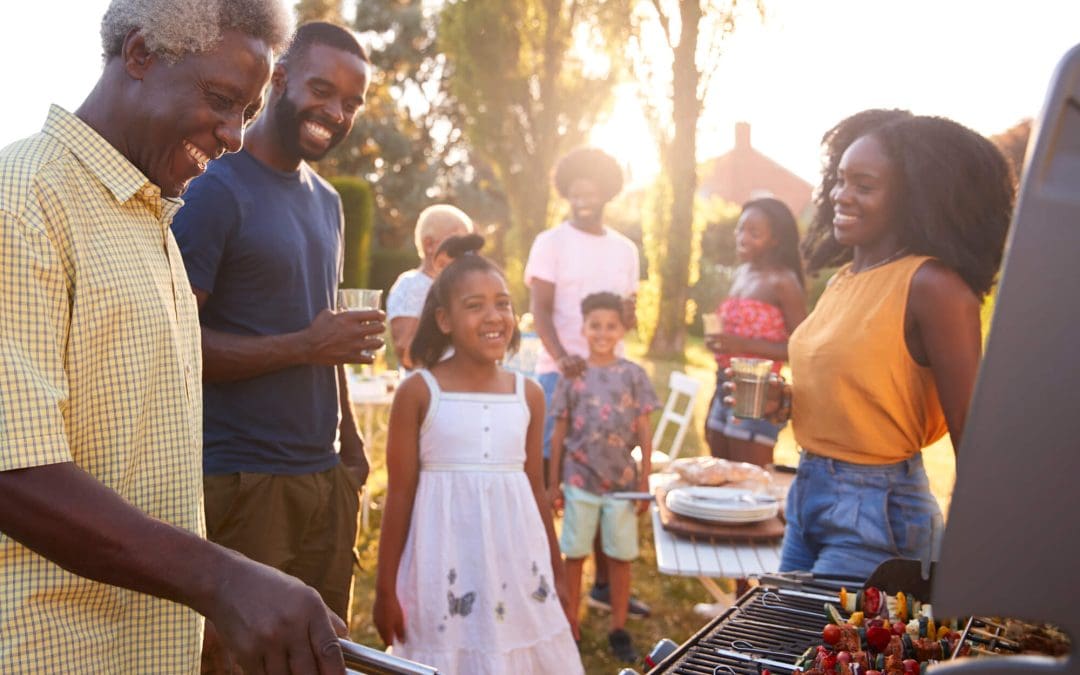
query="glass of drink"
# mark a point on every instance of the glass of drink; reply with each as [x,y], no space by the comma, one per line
[359,299]
[751,377]
[352,299]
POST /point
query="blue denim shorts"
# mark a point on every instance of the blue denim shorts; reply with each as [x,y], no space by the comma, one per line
[584,512]
[547,383]
[722,419]
[845,519]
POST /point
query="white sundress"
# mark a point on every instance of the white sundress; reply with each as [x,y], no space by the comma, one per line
[475,581]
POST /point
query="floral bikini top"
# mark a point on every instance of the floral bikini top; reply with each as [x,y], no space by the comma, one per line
[750,318]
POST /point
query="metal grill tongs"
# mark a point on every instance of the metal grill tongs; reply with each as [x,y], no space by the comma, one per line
[368,661]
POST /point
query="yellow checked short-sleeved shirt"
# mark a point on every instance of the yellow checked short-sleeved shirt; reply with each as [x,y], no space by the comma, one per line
[99,365]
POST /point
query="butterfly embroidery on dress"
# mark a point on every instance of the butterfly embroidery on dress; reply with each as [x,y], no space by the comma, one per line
[541,593]
[461,606]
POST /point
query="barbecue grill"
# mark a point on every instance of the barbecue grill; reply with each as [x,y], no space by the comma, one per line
[773,626]
[769,626]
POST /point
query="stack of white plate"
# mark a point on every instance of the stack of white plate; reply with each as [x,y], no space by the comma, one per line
[721,504]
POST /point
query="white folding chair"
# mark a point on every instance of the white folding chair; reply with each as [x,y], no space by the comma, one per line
[677,414]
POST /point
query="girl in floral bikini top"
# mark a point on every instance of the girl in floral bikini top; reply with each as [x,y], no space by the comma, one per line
[766,302]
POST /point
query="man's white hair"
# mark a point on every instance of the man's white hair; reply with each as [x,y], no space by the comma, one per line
[438,222]
[176,28]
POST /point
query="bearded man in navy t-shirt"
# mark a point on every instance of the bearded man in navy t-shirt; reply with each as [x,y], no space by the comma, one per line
[261,236]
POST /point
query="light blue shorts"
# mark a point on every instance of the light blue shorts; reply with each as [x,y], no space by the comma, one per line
[584,512]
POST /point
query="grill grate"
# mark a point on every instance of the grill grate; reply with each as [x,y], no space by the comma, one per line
[774,633]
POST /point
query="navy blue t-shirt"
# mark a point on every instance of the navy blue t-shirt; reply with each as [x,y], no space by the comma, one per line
[266,245]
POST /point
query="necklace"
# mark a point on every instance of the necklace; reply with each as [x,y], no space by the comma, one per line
[884,261]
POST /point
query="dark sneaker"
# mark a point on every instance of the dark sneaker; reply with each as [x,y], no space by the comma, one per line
[600,598]
[622,646]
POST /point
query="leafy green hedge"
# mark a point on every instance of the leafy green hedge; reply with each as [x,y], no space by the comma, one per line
[388,263]
[358,203]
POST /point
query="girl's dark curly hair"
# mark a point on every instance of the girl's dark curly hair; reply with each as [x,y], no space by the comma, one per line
[784,230]
[429,344]
[819,247]
[955,196]
[592,164]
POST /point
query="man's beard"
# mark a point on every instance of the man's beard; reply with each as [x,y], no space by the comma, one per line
[287,120]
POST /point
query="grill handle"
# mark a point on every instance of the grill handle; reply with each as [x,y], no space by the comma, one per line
[374,662]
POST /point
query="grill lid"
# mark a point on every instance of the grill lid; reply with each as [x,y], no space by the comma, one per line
[1014,536]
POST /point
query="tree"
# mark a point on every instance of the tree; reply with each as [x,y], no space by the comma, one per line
[528,92]
[392,144]
[1013,144]
[318,10]
[693,32]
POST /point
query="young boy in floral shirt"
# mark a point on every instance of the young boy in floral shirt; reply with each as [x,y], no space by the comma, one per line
[599,417]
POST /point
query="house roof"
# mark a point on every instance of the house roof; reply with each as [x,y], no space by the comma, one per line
[744,174]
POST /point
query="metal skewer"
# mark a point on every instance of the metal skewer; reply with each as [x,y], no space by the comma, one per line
[747,646]
[769,596]
[963,636]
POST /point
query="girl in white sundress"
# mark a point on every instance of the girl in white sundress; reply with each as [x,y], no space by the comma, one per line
[470,579]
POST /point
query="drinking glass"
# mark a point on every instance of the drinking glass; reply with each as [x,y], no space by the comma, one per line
[751,378]
[358,298]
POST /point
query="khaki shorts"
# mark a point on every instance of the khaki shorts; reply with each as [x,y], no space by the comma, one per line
[303,525]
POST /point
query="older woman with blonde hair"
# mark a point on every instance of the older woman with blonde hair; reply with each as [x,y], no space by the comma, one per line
[435,225]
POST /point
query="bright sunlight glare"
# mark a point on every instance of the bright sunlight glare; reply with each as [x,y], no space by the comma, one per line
[985,64]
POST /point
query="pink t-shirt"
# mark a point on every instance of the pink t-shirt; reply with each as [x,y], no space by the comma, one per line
[579,263]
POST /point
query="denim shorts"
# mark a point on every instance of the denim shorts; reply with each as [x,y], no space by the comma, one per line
[547,383]
[722,419]
[845,519]
[584,512]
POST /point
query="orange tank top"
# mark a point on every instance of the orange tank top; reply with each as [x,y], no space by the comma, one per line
[858,395]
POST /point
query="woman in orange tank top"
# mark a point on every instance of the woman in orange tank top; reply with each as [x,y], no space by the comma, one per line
[916,210]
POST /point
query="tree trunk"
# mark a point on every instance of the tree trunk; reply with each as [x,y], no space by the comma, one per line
[670,336]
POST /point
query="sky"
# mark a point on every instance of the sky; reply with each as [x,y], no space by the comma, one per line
[984,63]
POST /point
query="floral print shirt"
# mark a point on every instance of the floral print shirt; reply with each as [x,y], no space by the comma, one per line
[602,407]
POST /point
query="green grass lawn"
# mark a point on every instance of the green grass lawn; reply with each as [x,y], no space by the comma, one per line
[671,598]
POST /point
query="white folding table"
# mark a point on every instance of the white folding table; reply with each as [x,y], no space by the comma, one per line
[708,558]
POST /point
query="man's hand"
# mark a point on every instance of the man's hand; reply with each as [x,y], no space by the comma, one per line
[335,338]
[572,365]
[357,467]
[273,623]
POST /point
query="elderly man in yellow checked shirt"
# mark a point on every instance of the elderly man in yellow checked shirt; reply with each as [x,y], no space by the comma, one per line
[103,564]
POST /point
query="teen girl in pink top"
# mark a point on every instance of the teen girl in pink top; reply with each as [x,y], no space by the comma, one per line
[766,302]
